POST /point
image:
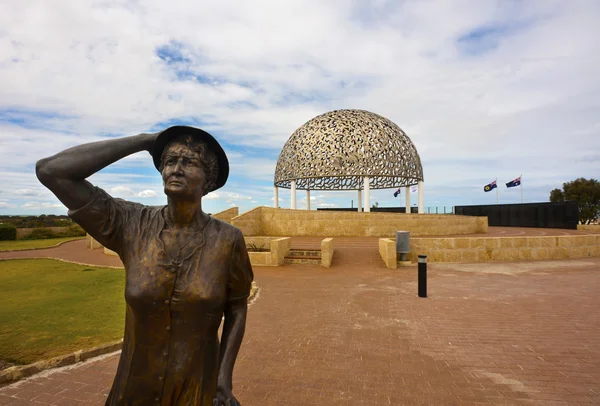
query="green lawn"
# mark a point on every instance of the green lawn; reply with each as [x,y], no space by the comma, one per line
[30,244]
[50,308]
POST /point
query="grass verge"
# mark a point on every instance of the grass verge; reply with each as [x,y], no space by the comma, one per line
[19,245]
[52,308]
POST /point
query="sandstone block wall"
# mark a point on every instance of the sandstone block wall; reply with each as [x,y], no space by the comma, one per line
[594,228]
[279,249]
[227,215]
[387,250]
[326,252]
[110,252]
[285,222]
[91,243]
[250,222]
[489,249]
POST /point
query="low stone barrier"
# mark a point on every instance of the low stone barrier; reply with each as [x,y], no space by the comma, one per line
[495,249]
[326,252]
[91,243]
[285,222]
[227,215]
[594,228]
[279,247]
[110,252]
[387,250]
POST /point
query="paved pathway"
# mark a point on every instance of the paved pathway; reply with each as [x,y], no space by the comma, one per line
[356,334]
[74,251]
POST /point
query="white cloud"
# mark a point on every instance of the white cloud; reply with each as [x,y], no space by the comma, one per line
[212,196]
[327,205]
[503,101]
[41,205]
[121,191]
[26,192]
[146,193]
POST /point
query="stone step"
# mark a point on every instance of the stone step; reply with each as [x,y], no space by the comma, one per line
[304,253]
[308,260]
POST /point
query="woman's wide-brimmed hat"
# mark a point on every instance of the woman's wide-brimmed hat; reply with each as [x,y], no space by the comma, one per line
[172,132]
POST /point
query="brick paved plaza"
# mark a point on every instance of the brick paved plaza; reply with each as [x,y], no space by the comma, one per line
[357,334]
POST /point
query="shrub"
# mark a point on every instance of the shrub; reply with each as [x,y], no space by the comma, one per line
[73,231]
[44,233]
[8,232]
[41,234]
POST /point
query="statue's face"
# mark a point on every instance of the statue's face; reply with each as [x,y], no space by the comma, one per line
[183,173]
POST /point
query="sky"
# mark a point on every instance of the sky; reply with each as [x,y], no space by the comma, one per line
[485,90]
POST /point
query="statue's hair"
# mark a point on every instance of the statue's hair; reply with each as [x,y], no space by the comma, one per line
[207,156]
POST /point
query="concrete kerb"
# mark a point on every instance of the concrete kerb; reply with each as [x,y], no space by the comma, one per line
[44,248]
[16,373]
[64,260]
[19,372]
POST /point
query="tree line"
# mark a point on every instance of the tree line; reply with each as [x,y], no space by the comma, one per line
[586,192]
[44,220]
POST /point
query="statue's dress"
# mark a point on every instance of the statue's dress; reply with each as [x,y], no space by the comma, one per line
[173,307]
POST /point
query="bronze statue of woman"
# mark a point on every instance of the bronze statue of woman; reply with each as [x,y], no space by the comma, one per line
[184,269]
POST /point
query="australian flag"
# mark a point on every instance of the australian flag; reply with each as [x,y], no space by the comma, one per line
[514,183]
[397,192]
[490,186]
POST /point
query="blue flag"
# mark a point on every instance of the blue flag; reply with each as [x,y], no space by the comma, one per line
[397,192]
[514,183]
[490,186]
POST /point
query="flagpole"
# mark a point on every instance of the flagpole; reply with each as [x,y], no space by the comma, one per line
[496,190]
[521,184]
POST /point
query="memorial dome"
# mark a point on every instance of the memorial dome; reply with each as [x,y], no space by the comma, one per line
[336,150]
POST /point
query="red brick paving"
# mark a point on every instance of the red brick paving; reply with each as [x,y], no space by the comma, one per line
[357,334]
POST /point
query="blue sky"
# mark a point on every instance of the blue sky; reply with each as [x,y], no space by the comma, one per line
[485,90]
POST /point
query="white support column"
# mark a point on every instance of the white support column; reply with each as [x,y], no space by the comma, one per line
[421,198]
[307,199]
[293,197]
[276,202]
[359,201]
[367,195]
[407,189]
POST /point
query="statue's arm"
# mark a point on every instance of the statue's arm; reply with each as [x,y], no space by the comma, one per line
[234,325]
[231,341]
[65,173]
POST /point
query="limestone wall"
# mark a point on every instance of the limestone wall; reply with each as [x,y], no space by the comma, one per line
[227,215]
[494,249]
[249,222]
[110,252]
[387,250]
[326,252]
[286,222]
[91,243]
[594,228]
[473,249]
[279,249]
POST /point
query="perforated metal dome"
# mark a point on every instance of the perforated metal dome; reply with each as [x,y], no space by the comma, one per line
[335,150]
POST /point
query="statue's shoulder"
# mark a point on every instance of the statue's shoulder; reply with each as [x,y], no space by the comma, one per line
[225,230]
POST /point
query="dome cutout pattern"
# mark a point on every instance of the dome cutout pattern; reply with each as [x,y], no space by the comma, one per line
[335,150]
